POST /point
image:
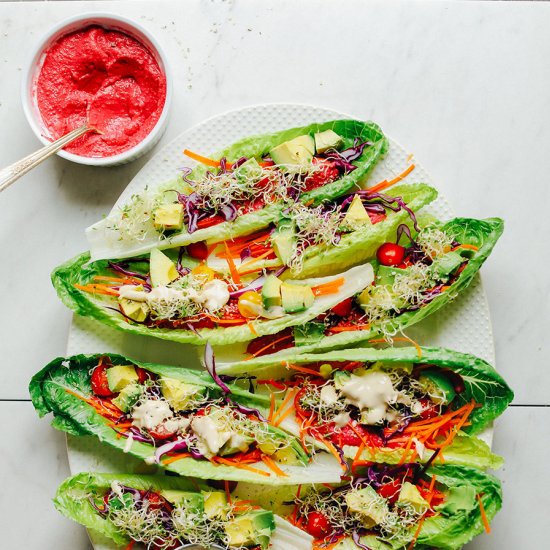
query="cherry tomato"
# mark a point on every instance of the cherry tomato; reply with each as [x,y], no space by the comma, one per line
[318,525]
[343,308]
[250,304]
[160,432]
[391,490]
[390,254]
[199,250]
[100,384]
[143,375]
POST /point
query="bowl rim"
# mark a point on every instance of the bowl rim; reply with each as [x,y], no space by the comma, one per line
[107,20]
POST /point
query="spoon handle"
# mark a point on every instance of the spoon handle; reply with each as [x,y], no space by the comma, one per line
[13,172]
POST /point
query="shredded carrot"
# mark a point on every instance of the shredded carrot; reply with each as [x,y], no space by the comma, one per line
[261,350]
[288,398]
[305,370]
[272,465]
[358,455]
[271,407]
[251,327]
[131,545]
[110,279]
[171,459]
[385,183]
[399,339]
[236,464]
[429,497]
[223,322]
[328,288]
[97,289]
[350,328]
[483,515]
[254,260]
[203,160]
[467,246]
[231,264]
[227,492]
[281,418]
[334,452]
[295,511]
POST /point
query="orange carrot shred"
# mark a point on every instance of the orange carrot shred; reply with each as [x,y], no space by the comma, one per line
[483,515]
[261,350]
[271,408]
[385,183]
[203,160]
[232,267]
[272,465]
[399,339]
[328,288]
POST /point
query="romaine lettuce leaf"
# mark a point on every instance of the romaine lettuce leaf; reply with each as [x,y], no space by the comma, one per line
[53,389]
[105,241]
[80,271]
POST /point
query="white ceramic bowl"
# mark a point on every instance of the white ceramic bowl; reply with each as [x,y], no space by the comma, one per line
[109,21]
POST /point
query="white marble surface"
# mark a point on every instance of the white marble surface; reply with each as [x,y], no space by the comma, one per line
[463,84]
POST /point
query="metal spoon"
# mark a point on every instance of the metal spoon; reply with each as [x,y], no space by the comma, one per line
[17,169]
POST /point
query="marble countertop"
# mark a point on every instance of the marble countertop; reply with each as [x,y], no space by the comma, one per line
[464,85]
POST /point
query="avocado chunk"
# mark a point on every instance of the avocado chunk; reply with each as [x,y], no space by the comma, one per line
[341,378]
[215,505]
[190,500]
[445,265]
[386,274]
[296,298]
[297,151]
[271,292]
[137,311]
[284,240]
[180,395]
[459,498]
[368,504]
[249,170]
[120,376]
[409,494]
[309,333]
[128,397]
[327,140]
[237,443]
[162,269]
[250,529]
[356,215]
[169,216]
[434,382]
[286,456]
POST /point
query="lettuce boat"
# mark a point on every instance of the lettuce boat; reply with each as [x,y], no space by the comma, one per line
[323,240]
[390,508]
[255,179]
[388,406]
[435,267]
[183,421]
[195,305]
[166,512]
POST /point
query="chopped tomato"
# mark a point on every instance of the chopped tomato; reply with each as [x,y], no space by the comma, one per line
[430,410]
[215,219]
[160,433]
[318,525]
[100,384]
[376,217]
[300,411]
[143,375]
[199,250]
[349,436]
[252,205]
[327,173]
[391,490]
[343,308]
[157,502]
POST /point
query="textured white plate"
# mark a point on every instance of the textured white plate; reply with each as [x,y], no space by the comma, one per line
[464,325]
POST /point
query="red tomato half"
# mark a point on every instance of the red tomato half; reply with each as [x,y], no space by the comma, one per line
[100,384]
[210,221]
[199,250]
[390,254]
[318,525]
[343,308]
[143,375]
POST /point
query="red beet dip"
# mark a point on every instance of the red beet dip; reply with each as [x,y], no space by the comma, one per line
[108,73]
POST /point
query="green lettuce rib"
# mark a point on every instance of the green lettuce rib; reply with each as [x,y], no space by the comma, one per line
[358,246]
[482,382]
[105,244]
[49,390]
[483,234]
[80,271]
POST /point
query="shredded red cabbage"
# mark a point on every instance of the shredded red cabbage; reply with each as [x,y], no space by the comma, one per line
[210,364]
[178,445]
[357,540]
